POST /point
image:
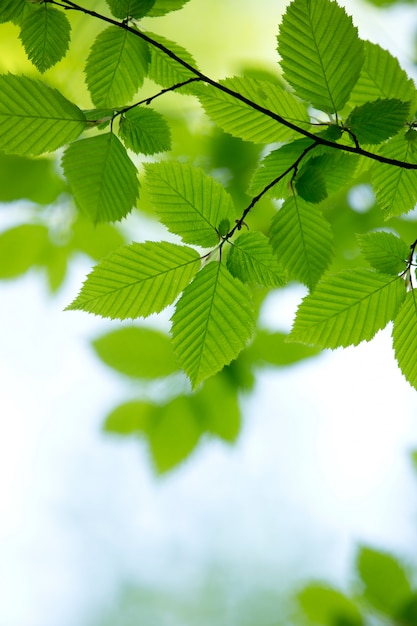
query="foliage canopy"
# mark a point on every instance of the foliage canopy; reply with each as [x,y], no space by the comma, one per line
[342,114]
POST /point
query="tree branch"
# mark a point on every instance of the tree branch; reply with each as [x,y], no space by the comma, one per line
[69,5]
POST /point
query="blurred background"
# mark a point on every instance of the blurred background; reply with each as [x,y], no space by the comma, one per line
[100,525]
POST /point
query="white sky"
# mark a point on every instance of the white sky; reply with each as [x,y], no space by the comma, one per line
[321,464]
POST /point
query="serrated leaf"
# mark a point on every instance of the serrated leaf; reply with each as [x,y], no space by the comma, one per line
[212,323]
[116,67]
[274,165]
[166,71]
[310,182]
[11,10]
[102,177]
[347,308]
[385,580]
[45,35]
[137,352]
[395,188]
[241,120]
[137,280]
[35,118]
[302,240]
[144,131]
[384,251]
[374,122]
[405,338]
[189,203]
[320,176]
[382,77]
[130,8]
[161,7]
[327,606]
[321,53]
[251,259]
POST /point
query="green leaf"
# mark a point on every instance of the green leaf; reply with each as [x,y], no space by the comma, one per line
[276,164]
[137,280]
[33,179]
[218,418]
[102,177]
[241,120]
[321,53]
[382,77]
[320,176]
[374,122]
[129,418]
[188,202]
[144,131]
[174,433]
[385,579]
[161,7]
[273,349]
[116,67]
[21,248]
[384,251]
[328,607]
[302,239]
[212,322]
[11,10]
[405,338]
[347,308]
[251,259]
[45,35]
[96,240]
[130,8]
[137,352]
[166,71]
[395,188]
[35,118]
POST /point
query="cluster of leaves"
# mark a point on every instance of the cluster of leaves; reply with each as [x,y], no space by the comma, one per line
[384,593]
[345,111]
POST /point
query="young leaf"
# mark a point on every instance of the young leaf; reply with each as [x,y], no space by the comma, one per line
[45,35]
[161,7]
[321,53]
[273,349]
[11,10]
[27,103]
[130,8]
[395,188]
[102,177]
[310,182]
[137,280]
[384,251]
[302,239]
[188,202]
[385,580]
[381,77]
[212,323]
[137,352]
[274,165]
[129,418]
[347,308]
[374,122]
[251,259]
[241,120]
[144,131]
[116,67]
[166,71]
[218,418]
[405,338]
